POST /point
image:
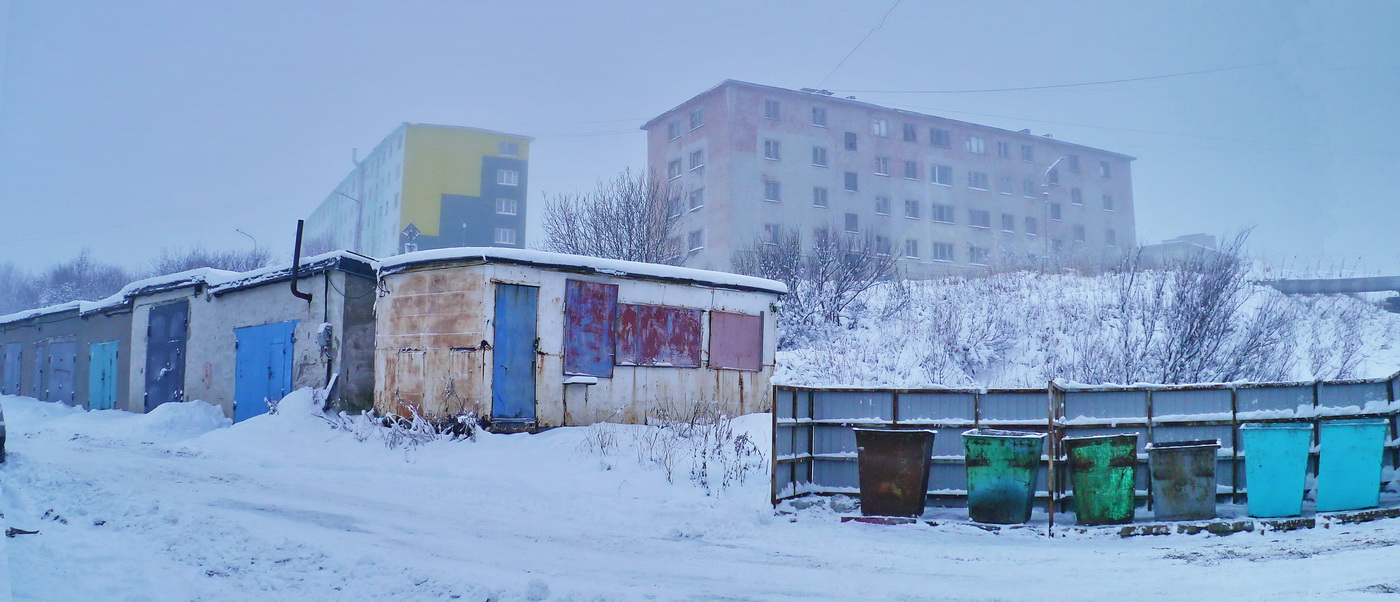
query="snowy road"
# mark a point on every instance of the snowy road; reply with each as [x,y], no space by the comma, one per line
[133,507]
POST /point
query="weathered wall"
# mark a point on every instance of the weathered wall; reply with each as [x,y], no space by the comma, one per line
[101,328]
[40,332]
[433,322]
[355,342]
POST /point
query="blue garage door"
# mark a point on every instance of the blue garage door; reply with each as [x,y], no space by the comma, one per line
[63,362]
[513,373]
[102,375]
[9,379]
[264,367]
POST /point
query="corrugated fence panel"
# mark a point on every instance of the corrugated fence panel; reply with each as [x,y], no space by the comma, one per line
[1191,405]
[937,407]
[830,439]
[948,442]
[854,406]
[1356,395]
[1106,405]
[1013,407]
[1272,402]
[836,475]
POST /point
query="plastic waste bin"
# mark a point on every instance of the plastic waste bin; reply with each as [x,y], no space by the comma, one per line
[1183,479]
[1001,473]
[893,465]
[1103,470]
[1349,463]
[1275,467]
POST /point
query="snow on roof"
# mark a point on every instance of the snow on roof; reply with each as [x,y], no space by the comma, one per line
[27,314]
[614,267]
[309,266]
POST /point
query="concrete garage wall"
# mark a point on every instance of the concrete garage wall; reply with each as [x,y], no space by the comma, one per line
[434,320]
[101,327]
[39,332]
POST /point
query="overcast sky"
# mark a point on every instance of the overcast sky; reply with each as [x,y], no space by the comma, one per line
[127,126]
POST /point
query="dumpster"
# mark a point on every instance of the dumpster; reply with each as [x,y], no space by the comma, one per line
[1103,470]
[1349,463]
[1001,471]
[1183,479]
[1275,467]
[893,465]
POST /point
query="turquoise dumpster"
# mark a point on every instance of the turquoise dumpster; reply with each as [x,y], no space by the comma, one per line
[1275,467]
[1349,463]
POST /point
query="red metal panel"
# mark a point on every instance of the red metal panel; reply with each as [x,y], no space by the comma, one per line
[657,335]
[589,338]
[736,341]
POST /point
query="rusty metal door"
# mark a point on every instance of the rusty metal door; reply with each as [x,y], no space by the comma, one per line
[9,380]
[165,353]
[513,370]
[63,360]
[590,309]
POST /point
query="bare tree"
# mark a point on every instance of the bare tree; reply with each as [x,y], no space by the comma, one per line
[628,217]
[174,260]
[823,278]
[81,278]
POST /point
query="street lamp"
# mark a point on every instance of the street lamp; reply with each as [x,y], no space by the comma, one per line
[1045,191]
[250,237]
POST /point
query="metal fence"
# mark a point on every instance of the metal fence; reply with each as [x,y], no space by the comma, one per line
[814,448]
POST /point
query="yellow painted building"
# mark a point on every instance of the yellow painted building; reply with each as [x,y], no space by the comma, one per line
[428,187]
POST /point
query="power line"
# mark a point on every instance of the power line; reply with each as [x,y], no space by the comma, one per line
[1052,86]
[862,41]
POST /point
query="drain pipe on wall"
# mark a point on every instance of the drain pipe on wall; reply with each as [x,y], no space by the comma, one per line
[296,264]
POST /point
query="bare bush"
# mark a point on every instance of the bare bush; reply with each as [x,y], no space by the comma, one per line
[627,217]
[173,260]
[398,432]
[719,457]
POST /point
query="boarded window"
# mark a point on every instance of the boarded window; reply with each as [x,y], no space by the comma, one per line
[657,335]
[589,311]
[736,341]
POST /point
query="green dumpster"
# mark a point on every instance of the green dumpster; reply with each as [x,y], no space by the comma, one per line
[1103,471]
[1001,471]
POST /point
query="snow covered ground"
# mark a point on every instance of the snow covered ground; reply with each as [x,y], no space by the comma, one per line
[177,505]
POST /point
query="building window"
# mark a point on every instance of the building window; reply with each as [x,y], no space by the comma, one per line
[1003,149]
[1004,185]
[851,181]
[819,116]
[852,222]
[1104,170]
[1027,152]
[882,205]
[1028,189]
[941,174]
[880,127]
[507,207]
[1078,233]
[1056,245]
[697,118]
[770,150]
[772,109]
[772,191]
[911,208]
[1110,238]
[978,218]
[770,234]
[509,149]
[1108,202]
[911,170]
[1032,226]
[673,169]
[911,132]
[697,198]
[1055,211]
[911,248]
[978,180]
[882,166]
[939,137]
[1052,176]
[1076,196]
[977,255]
[696,240]
[941,251]
[977,144]
[697,160]
[941,213]
[819,156]
[507,177]
[676,208]
[505,236]
[819,197]
[882,245]
[1073,162]
[673,130]
[1008,222]
[850,141]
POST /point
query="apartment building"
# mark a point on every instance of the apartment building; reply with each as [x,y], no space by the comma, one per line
[428,187]
[748,162]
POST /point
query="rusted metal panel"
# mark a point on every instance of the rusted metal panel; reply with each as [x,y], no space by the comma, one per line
[736,341]
[590,309]
[658,335]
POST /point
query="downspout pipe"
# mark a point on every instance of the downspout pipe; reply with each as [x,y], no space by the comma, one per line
[296,264]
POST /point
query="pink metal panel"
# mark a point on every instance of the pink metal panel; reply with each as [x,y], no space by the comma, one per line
[736,341]
[657,335]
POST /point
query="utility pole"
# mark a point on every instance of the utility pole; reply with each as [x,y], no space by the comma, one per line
[1045,192]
